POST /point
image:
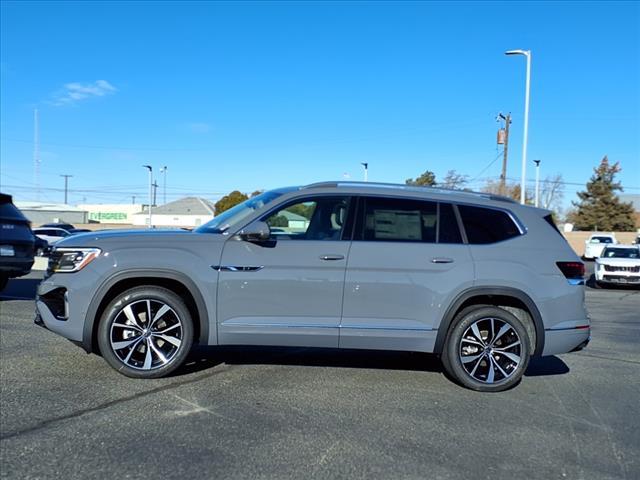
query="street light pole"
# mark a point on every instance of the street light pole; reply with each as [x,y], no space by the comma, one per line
[527,54]
[150,190]
[366,171]
[164,181]
[537,162]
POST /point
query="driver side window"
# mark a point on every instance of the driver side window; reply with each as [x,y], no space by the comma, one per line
[310,219]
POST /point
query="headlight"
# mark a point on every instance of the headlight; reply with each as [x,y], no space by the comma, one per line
[67,260]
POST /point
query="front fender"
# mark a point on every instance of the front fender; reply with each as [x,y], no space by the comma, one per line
[207,335]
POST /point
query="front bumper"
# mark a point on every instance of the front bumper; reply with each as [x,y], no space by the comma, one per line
[61,305]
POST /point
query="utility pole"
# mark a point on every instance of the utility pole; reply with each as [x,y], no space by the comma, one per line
[366,171]
[505,141]
[66,186]
[150,168]
[133,199]
[537,162]
[155,191]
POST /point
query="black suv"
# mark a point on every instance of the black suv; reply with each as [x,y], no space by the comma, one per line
[16,242]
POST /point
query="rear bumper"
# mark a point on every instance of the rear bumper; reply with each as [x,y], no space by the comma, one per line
[566,340]
[15,267]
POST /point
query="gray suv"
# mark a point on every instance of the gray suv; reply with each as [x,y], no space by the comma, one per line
[480,280]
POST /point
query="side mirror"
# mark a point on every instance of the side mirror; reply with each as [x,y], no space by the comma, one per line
[256,232]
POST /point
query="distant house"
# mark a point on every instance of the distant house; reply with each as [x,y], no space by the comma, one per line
[186,212]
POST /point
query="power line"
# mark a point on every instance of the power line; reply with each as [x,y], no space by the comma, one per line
[487,167]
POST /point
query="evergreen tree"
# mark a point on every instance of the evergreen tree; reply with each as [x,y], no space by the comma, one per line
[427,179]
[599,207]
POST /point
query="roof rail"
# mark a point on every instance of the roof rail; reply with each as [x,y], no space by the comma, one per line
[336,184]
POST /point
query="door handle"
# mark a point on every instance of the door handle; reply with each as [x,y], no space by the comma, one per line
[331,257]
[441,260]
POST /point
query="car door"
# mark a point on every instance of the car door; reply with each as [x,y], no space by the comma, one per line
[287,290]
[406,262]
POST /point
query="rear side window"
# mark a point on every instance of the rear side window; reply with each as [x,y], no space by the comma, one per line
[399,220]
[449,231]
[484,225]
[407,220]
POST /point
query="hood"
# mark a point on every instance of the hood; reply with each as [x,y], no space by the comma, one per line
[134,236]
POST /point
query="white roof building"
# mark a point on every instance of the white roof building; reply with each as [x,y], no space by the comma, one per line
[42,212]
[186,212]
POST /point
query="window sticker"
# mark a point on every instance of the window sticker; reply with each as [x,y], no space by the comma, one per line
[397,224]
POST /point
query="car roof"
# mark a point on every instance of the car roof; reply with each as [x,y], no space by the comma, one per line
[377,188]
[618,245]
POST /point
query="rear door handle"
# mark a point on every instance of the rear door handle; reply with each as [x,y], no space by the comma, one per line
[441,260]
[331,257]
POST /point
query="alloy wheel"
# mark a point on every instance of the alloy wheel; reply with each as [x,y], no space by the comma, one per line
[146,334]
[490,350]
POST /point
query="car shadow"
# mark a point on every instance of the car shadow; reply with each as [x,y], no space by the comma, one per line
[20,289]
[203,358]
[546,367]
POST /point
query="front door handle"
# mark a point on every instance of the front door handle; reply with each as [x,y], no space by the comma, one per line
[441,260]
[331,257]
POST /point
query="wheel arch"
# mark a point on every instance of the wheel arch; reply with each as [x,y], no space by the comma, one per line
[122,281]
[511,298]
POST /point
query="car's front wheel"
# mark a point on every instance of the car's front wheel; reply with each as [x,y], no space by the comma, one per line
[487,349]
[145,332]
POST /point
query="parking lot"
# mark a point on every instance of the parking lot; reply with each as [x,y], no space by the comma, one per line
[303,413]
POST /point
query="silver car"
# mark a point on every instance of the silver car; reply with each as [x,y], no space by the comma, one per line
[481,281]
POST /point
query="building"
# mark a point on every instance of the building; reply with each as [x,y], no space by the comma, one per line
[39,213]
[111,213]
[186,212]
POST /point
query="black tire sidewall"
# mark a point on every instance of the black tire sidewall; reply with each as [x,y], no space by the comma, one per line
[451,359]
[133,295]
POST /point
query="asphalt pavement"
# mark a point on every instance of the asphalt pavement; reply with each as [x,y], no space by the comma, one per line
[305,413]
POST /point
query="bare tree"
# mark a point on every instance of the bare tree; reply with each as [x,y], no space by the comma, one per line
[552,192]
[454,180]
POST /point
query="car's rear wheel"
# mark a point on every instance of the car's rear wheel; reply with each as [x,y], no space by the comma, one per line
[487,349]
[145,332]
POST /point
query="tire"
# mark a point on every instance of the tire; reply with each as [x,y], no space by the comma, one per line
[597,285]
[472,359]
[3,282]
[137,350]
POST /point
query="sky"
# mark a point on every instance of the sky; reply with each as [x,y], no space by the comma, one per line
[254,96]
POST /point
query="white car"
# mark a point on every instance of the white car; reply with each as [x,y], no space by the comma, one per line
[596,243]
[619,264]
[51,235]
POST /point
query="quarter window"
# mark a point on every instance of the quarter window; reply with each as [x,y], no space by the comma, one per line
[485,225]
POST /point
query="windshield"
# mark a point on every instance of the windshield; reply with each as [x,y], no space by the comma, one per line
[601,240]
[621,253]
[235,214]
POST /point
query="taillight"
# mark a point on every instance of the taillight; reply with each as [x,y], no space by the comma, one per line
[571,270]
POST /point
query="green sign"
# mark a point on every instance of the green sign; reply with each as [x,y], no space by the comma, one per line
[107,216]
